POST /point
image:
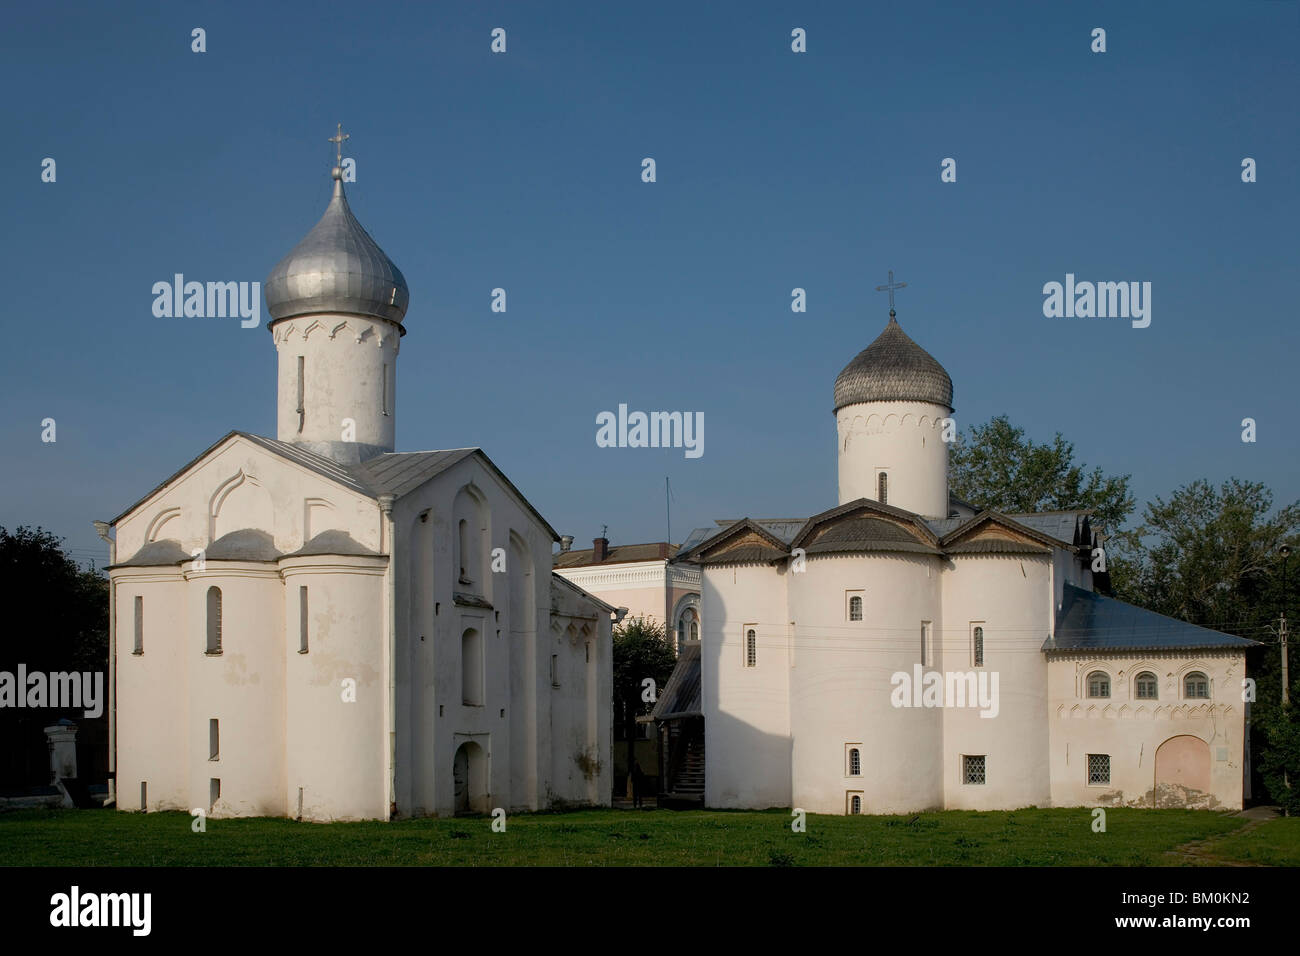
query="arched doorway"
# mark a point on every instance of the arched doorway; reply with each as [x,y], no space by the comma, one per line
[469,779]
[1182,771]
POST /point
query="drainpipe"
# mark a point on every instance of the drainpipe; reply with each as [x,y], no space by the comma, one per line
[386,510]
[101,529]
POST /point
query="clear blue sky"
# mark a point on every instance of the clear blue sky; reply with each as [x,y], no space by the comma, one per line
[775,170]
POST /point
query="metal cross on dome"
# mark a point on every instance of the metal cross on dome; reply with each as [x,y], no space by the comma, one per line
[338,138]
[890,287]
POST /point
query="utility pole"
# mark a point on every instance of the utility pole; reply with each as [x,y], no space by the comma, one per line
[1281,632]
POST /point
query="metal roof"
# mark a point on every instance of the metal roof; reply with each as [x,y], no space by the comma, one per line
[681,695]
[617,554]
[399,473]
[893,368]
[337,267]
[1088,621]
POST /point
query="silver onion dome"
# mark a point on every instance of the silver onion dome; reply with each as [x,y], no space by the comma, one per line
[893,368]
[337,267]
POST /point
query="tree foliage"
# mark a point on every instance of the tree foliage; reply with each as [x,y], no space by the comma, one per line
[58,612]
[998,468]
[641,650]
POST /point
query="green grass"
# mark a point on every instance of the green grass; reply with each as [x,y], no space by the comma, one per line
[1275,843]
[1033,837]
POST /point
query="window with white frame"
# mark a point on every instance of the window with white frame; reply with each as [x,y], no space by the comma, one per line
[853,605]
[1098,770]
[853,760]
[855,804]
[973,769]
[1146,687]
[1099,684]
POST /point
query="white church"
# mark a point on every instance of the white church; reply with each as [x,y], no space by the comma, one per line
[317,626]
[903,651]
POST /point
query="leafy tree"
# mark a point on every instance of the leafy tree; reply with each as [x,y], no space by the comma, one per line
[997,467]
[1212,556]
[58,612]
[641,650]
[57,620]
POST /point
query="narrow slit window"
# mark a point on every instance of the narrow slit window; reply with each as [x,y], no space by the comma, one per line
[214,791]
[977,645]
[882,488]
[751,648]
[855,762]
[214,739]
[555,670]
[385,387]
[855,608]
[302,411]
[302,620]
[214,620]
[855,804]
[139,625]
[925,643]
[144,796]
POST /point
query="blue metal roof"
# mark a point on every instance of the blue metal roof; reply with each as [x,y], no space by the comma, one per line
[1089,621]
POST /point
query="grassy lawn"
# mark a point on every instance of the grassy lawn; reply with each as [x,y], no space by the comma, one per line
[1034,837]
[1275,843]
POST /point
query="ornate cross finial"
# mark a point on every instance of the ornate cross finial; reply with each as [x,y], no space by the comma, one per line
[337,139]
[890,287]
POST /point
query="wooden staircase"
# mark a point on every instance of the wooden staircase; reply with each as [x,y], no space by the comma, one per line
[686,768]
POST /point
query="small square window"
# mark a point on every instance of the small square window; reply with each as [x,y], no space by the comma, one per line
[972,769]
[1098,770]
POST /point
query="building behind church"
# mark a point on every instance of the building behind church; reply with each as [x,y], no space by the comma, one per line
[317,626]
[904,651]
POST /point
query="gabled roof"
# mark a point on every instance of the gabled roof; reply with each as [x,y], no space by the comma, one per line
[618,554]
[559,580]
[965,538]
[866,525]
[1087,621]
[744,542]
[393,473]
[681,695]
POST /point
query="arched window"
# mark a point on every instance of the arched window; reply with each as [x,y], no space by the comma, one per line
[695,630]
[751,648]
[882,488]
[855,804]
[855,608]
[977,645]
[1098,684]
[214,620]
[855,762]
[1196,685]
[1146,686]
[681,635]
